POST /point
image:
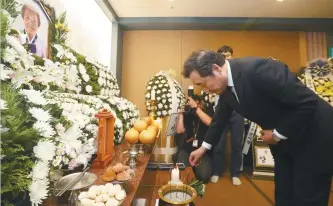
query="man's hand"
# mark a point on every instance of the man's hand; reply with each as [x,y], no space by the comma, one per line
[192,103]
[267,136]
[196,155]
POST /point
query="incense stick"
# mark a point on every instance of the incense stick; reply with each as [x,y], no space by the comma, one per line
[170,182]
[186,181]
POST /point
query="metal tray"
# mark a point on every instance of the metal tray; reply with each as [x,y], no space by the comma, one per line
[87,180]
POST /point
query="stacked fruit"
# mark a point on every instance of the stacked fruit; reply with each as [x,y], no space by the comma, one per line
[144,130]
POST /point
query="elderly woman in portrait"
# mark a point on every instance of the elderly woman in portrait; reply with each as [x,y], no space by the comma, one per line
[31,21]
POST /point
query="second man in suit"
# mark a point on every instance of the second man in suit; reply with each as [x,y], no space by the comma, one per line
[236,127]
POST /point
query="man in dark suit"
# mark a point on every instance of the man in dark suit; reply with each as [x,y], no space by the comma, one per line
[296,123]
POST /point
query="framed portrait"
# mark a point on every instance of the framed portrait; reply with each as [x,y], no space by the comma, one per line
[263,157]
[33,24]
[172,124]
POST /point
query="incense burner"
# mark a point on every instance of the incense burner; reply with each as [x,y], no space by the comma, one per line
[177,194]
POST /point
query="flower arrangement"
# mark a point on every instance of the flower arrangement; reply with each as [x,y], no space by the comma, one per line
[208,98]
[167,93]
[47,109]
[320,80]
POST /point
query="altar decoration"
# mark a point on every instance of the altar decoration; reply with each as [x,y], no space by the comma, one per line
[47,108]
[103,195]
[177,192]
[208,99]
[263,161]
[104,139]
[118,172]
[144,132]
[319,78]
[164,97]
[167,93]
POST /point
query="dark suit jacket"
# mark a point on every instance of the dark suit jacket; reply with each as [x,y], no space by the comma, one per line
[271,96]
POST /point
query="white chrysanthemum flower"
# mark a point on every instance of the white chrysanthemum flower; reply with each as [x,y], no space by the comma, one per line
[16,44]
[40,170]
[56,162]
[45,150]
[82,69]
[38,191]
[102,73]
[61,150]
[3,104]
[44,128]
[158,113]
[3,129]
[70,56]
[55,175]
[40,114]
[72,164]
[34,96]
[5,72]
[89,88]
[60,128]
[9,55]
[82,159]
[100,81]
[65,160]
[85,77]
[164,113]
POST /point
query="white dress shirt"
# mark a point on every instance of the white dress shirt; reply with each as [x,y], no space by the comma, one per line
[231,84]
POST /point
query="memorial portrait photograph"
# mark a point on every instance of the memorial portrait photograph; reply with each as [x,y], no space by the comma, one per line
[33,25]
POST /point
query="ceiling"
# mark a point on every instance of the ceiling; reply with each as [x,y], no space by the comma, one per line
[224,8]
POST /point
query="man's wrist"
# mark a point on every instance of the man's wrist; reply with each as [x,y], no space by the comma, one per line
[206,145]
[275,137]
[204,149]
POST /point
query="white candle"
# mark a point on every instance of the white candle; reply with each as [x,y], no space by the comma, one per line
[175,175]
[153,95]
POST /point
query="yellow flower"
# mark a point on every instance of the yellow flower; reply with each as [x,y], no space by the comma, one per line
[320,89]
[67,29]
[59,26]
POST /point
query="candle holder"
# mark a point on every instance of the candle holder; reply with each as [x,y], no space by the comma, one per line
[153,109]
[141,151]
[177,194]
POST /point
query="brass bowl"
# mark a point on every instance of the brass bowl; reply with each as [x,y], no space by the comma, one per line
[181,188]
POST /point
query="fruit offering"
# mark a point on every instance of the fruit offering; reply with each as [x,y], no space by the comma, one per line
[117,172]
[144,130]
[103,195]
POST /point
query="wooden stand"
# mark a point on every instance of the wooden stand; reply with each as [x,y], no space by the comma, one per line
[105,139]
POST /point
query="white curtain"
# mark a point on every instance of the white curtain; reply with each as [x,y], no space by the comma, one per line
[316,45]
[90,29]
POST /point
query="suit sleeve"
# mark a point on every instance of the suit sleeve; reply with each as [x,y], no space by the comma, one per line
[222,114]
[275,81]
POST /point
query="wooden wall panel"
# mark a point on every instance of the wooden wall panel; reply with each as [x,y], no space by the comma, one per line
[147,52]
[144,54]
